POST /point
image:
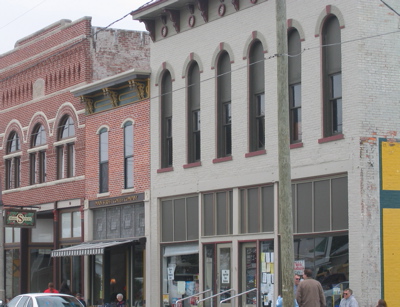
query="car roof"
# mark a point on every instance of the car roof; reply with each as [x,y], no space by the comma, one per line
[44,294]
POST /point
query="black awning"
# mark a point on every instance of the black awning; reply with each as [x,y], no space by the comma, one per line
[90,248]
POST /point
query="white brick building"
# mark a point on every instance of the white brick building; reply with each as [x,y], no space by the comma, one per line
[216,200]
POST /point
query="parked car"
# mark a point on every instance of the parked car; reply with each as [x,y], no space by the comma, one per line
[44,300]
[334,295]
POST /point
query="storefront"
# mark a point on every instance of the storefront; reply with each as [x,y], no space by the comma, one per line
[116,255]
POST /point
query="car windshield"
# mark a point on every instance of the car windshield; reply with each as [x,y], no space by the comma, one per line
[57,301]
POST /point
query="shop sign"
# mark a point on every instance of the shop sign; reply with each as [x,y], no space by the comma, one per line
[114,201]
[225,276]
[299,266]
[20,218]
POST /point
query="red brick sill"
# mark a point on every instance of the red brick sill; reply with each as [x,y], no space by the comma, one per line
[165,170]
[331,138]
[223,159]
[190,165]
[296,145]
[255,153]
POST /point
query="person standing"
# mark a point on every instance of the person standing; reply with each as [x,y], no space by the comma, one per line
[381,303]
[120,300]
[309,292]
[79,298]
[50,288]
[296,283]
[348,299]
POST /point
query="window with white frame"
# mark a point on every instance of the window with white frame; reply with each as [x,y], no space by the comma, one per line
[66,151]
[13,162]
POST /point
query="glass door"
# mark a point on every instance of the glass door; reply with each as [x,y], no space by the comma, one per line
[249,274]
[224,271]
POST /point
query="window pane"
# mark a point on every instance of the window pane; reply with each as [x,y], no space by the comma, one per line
[267,208]
[179,220]
[340,204]
[322,205]
[253,213]
[192,209]
[129,173]
[128,139]
[304,207]
[222,214]
[76,224]
[167,217]
[103,145]
[208,218]
[66,225]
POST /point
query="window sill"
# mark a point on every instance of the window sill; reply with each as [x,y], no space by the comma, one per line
[165,170]
[296,145]
[103,194]
[194,164]
[331,138]
[124,191]
[223,159]
[255,153]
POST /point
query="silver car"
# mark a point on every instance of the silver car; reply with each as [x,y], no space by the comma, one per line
[44,300]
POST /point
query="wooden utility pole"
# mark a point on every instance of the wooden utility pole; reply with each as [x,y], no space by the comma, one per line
[285,190]
[2,270]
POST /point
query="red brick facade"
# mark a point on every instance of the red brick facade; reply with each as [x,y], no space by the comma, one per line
[36,80]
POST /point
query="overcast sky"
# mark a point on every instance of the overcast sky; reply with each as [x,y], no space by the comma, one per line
[20,18]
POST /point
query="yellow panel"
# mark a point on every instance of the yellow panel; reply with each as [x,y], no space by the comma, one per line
[391,255]
[391,166]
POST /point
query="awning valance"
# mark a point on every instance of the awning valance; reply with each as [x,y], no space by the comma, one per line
[184,249]
[89,248]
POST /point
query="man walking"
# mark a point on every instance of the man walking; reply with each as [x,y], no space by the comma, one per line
[309,292]
[348,299]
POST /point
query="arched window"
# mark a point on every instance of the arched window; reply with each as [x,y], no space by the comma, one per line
[257,97]
[224,125]
[13,164]
[37,158]
[294,62]
[193,113]
[332,77]
[66,151]
[103,159]
[128,155]
[166,120]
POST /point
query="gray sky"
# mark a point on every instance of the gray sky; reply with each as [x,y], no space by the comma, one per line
[20,18]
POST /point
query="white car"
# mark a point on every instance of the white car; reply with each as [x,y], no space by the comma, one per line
[44,300]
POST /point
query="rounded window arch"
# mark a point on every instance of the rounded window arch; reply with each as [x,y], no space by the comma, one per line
[66,129]
[38,136]
[13,142]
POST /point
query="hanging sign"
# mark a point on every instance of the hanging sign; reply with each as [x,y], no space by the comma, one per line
[20,218]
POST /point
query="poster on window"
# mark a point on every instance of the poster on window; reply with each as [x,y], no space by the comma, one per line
[299,266]
[225,276]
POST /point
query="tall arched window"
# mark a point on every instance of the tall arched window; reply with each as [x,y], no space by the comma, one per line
[13,164]
[193,113]
[224,124]
[166,120]
[66,150]
[257,97]
[103,160]
[294,62]
[37,155]
[128,155]
[332,77]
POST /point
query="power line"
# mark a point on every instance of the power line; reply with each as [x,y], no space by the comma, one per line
[22,14]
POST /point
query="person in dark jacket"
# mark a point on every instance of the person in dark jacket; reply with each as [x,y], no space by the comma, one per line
[65,288]
[79,298]
[120,300]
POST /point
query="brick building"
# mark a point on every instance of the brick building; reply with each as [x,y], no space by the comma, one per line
[214,203]
[43,139]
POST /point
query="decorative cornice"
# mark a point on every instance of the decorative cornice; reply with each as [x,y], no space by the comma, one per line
[203,7]
[174,16]
[150,25]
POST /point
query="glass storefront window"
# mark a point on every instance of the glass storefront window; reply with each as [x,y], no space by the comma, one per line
[98,291]
[71,224]
[12,234]
[43,232]
[181,278]
[41,269]
[12,272]
[328,257]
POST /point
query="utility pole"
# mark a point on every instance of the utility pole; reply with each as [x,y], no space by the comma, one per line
[285,184]
[2,276]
